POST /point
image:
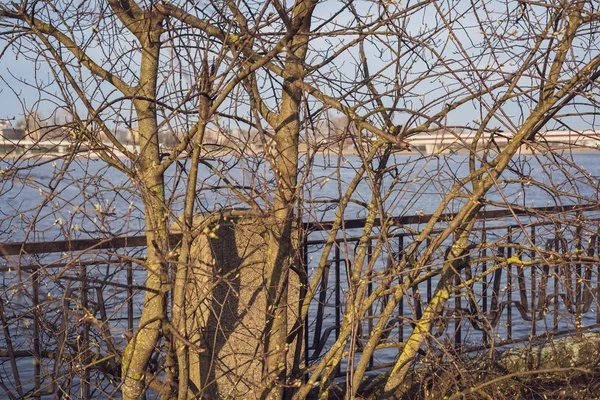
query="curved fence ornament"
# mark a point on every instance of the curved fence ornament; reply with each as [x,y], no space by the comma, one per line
[578,294]
[539,302]
[541,299]
[482,321]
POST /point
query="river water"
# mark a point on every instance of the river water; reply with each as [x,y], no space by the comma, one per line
[88,199]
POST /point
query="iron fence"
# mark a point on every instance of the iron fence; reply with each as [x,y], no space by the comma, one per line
[528,274]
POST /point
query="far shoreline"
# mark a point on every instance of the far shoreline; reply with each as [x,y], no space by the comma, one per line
[526,149]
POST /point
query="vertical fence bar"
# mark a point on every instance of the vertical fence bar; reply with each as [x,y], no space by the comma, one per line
[579,278]
[556,279]
[428,284]
[10,349]
[429,289]
[509,285]
[338,297]
[130,297]
[321,306]
[369,291]
[596,244]
[85,384]
[597,251]
[338,294]
[37,360]
[534,294]
[484,283]
[401,302]
[457,315]
[303,293]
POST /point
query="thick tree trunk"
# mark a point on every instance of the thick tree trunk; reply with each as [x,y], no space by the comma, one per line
[140,349]
[280,252]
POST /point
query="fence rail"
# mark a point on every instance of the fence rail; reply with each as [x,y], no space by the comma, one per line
[64,302]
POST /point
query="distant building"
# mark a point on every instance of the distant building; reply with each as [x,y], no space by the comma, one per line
[8,132]
[234,139]
[448,140]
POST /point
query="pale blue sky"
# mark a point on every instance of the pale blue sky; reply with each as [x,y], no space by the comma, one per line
[12,69]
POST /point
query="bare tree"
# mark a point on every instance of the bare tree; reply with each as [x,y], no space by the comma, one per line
[255,80]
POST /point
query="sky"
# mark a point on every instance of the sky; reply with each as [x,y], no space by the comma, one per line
[16,95]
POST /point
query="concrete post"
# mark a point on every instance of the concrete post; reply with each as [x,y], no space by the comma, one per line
[227,308]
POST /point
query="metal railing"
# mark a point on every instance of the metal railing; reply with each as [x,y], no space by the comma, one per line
[67,308]
[528,274]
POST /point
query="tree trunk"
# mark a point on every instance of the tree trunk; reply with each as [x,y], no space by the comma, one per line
[140,349]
